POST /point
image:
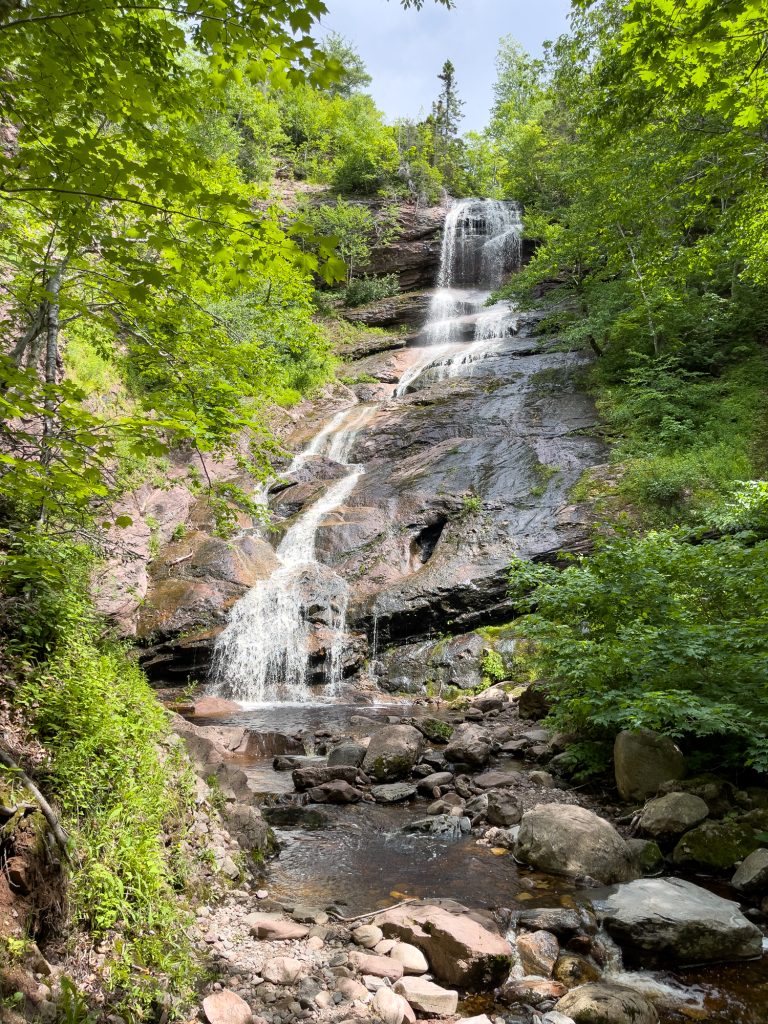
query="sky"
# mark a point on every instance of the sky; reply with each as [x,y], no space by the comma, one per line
[404,50]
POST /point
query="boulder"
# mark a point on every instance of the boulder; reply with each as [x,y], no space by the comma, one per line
[317,775]
[226,1007]
[378,966]
[412,959]
[496,780]
[367,935]
[393,792]
[470,744]
[563,922]
[751,876]
[673,814]
[504,808]
[391,1008]
[426,997]
[715,846]
[392,752]
[434,729]
[347,753]
[642,761]
[598,1003]
[673,921]
[460,950]
[538,952]
[647,856]
[338,792]
[434,781]
[281,970]
[534,701]
[532,991]
[572,969]
[568,840]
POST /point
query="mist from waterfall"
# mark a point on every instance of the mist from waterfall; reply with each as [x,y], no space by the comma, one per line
[263,655]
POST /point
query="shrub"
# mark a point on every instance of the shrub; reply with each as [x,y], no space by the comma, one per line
[363,290]
[656,632]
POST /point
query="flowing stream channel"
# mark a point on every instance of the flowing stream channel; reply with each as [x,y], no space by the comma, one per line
[361,857]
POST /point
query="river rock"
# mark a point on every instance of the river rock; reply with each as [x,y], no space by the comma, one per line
[470,744]
[391,1008]
[367,935]
[317,775]
[504,808]
[434,781]
[393,792]
[538,952]
[496,780]
[714,846]
[477,807]
[426,997]
[338,792]
[751,876]
[459,949]
[673,814]
[274,928]
[434,729]
[347,753]
[281,970]
[643,760]
[352,990]
[563,922]
[378,966]
[647,856]
[534,702]
[392,752]
[226,1007]
[412,959]
[572,969]
[598,1003]
[670,920]
[533,991]
[569,840]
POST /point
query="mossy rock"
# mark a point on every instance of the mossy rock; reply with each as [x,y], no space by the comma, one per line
[434,730]
[715,846]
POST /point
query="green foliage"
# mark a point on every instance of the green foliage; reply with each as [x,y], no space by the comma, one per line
[471,505]
[657,632]
[362,290]
[492,666]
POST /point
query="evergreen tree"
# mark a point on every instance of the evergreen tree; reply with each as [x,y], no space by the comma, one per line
[445,118]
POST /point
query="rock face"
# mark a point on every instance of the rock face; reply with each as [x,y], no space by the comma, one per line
[459,949]
[392,752]
[642,761]
[668,920]
[673,814]
[607,1004]
[470,744]
[571,840]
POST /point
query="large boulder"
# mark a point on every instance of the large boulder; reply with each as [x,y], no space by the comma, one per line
[715,846]
[460,950]
[673,814]
[470,744]
[568,840]
[392,752]
[669,920]
[642,761]
[751,876]
[427,998]
[534,702]
[599,1003]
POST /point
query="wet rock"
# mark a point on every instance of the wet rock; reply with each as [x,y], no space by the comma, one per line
[534,701]
[646,855]
[598,1003]
[317,775]
[477,808]
[226,1007]
[572,969]
[531,991]
[470,744]
[434,781]
[570,840]
[673,921]
[446,826]
[564,923]
[378,966]
[347,753]
[275,928]
[393,792]
[335,793]
[433,729]
[751,876]
[504,808]
[538,952]
[392,1008]
[412,959]
[281,970]
[367,935]
[643,760]
[459,949]
[392,752]
[673,814]
[714,846]
[426,997]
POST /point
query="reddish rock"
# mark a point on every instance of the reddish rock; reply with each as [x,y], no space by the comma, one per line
[538,952]
[531,991]
[378,966]
[226,1007]
[277,929]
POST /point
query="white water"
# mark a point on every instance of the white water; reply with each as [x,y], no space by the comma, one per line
[263,655]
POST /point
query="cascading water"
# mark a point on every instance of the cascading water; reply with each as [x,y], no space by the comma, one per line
[284,622]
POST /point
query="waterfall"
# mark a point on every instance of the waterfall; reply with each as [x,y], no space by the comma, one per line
[287,623]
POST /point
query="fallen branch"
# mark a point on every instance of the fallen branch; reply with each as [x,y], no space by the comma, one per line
[47,811]
[373,913]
